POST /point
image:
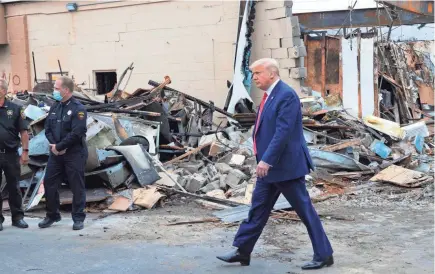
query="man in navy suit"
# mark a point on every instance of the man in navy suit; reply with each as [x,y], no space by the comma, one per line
[283,161]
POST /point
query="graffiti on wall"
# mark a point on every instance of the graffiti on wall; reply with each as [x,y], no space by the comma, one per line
[13,80]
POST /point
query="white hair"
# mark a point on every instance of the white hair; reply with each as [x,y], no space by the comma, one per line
[3,84]
[269,63]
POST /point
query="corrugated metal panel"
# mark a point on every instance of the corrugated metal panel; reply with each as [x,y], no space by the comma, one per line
[366,77]
[331,77]
[240,213]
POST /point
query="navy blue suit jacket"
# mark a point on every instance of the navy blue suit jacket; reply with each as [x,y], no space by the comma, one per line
[279,138]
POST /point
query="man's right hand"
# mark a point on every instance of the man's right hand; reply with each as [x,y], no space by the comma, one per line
[62,152]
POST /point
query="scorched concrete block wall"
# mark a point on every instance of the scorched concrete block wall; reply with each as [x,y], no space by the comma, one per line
[277,35]
[193,42]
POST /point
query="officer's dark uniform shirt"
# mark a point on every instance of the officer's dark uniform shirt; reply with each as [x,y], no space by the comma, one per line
[66,125]
[12,121]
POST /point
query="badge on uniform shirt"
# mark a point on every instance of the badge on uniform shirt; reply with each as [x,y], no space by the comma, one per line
[81,115]
[23,115]
[69,112]
[10,112]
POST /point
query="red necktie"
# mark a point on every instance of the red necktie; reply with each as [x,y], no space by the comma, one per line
[258,119]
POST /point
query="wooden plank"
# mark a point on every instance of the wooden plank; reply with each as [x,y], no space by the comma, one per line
[401,176]
[196,150]
[342,145]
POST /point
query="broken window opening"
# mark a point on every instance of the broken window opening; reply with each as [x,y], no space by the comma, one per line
[105,81]
[53,76]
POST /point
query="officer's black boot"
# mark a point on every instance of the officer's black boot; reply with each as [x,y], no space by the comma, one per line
[78,225]
[47,222]
[20,223]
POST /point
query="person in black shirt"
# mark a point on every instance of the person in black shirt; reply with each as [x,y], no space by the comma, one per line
[65,129]
[12,125]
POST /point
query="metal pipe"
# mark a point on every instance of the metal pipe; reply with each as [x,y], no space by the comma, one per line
[138,112]
[60,68]
[34,67]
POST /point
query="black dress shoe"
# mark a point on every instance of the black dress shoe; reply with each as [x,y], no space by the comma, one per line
[47,222]
[20,223]
[236,257]
[78,225]
[318,264]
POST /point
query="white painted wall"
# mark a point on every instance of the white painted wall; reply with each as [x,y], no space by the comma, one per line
[366,77]
[349,51]
[303,6]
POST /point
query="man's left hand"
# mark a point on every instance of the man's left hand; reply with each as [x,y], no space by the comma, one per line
[24,159]
[262,169]
[54,150]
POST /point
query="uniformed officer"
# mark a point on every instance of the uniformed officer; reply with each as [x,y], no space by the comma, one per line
[12,123]
[65,129]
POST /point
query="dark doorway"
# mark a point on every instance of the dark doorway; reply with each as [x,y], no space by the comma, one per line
[105,81]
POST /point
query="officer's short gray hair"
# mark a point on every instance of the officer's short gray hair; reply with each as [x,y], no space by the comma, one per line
[67,83]
[3,85]
[269,63]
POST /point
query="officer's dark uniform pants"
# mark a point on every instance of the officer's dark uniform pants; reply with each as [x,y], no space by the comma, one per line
[69,167]
[10,165]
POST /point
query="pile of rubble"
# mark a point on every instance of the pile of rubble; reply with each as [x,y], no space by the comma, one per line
[129,135]
[153,142]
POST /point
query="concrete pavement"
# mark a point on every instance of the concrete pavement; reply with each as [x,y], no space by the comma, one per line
[59,249]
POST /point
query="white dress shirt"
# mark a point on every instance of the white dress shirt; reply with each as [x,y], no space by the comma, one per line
[269,90]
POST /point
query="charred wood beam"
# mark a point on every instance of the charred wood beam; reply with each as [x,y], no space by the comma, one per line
[360,18]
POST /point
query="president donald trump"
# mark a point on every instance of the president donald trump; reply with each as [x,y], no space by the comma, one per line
[283,161]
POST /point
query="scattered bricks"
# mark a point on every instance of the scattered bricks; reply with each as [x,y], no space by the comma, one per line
[237,192]
[196,183]
[225,159]
[212,170]
[192,167]
[280,53]
[252,161]
[245,152]
[218,193]
[222,182]
[211,186]
[279,13]
[165,180]
[216,148]
[284,73]
[234,178]
[298,73]
[223,168]
[272,43]
[286,64]
[297,52]
[245,169]
[237,160]
[183,181]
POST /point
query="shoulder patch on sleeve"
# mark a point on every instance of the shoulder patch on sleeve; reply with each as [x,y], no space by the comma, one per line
[81,115]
